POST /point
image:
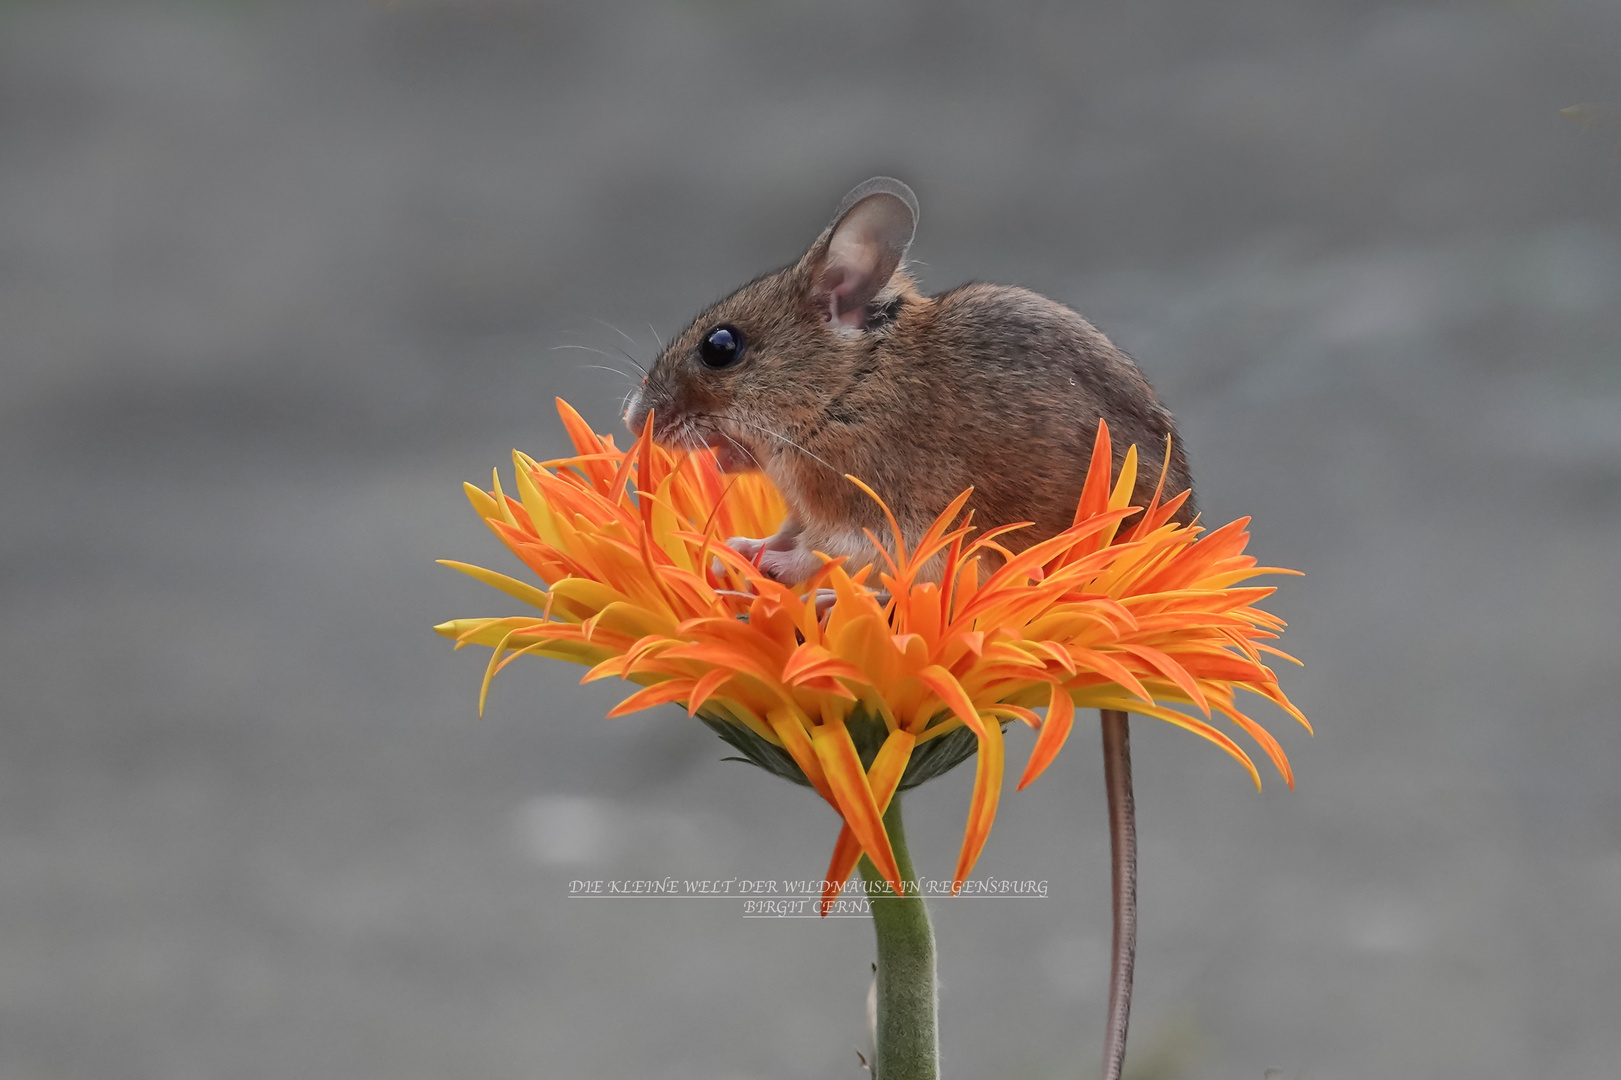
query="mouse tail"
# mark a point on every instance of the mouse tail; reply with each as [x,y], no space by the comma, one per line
[1123,879]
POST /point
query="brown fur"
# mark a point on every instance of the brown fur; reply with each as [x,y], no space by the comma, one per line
[983,385]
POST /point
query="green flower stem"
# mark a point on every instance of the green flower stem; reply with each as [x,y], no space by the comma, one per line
[908,1012]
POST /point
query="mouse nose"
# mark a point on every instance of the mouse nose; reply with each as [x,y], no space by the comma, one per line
[636,411]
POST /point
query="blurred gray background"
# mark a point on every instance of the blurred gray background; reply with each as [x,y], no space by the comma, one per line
[276,277]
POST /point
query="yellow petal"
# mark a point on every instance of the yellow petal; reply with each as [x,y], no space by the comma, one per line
[511,586]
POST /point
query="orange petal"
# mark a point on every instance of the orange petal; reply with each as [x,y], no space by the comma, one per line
[1171,670]
[658,694]
[982,810]
[705,686]
[811,661]
[894,526]
[1095,493]
[1114,670]
[1018,712]
[846,853]
[889,766]
[1268,743]
[884,778]
[841,764]
[935,538]
[791,731]
[1187,723]
[586,443]
[945,684]
[1054,730]
[1149,522]
[1057,652]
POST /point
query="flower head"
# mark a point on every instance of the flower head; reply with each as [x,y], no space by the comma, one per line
[899,679]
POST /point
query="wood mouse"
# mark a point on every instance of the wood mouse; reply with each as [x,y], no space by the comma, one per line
[838,364]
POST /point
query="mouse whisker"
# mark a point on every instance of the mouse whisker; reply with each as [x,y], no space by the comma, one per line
[635,363]
[584,348]
[616,371]
[785,439]
[688,436]
[749,453]
[696,439]
[618,331]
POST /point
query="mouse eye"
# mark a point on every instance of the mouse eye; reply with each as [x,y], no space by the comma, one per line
[722,348]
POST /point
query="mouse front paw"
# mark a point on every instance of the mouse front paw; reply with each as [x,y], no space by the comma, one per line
[789,565]
[781,557]
[748,546]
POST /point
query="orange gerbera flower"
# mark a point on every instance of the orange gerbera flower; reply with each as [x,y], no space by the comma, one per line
[1126,609]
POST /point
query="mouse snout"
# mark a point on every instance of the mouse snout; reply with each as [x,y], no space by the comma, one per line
[636,409]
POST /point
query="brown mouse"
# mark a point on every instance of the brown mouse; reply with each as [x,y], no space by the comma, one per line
[839,364]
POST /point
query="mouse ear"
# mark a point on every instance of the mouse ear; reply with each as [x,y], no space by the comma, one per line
[862,249]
